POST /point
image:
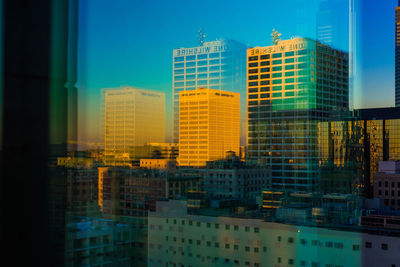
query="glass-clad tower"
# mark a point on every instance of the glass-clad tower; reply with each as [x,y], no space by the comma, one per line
[291,87]
[217,65]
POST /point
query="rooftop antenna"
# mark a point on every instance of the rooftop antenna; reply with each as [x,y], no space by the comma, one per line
[276,36]
[201,36]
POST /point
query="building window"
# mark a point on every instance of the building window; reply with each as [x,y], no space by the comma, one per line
[290,240]
[247,249]
[246,229]
[384,247]
[368,244]
[279,238]
[356,247]
[256,230]
[227,227]
[338,245]
[227,246]
[236,228]
[256,250]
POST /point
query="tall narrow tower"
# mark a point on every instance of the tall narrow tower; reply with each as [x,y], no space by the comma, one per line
[397,41]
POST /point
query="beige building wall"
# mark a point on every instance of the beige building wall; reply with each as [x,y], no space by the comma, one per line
[208,125]
[132,117]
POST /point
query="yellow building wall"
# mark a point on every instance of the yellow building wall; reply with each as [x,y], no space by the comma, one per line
[208,125]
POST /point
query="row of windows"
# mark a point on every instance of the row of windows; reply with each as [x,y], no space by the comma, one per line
[278,62]
[279,81]
[202,63]
[215,225]
[279,55]
[277,68]
[203,56]
[237,262]
[387,184]
[201,76]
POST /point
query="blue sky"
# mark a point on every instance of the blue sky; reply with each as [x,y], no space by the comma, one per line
[128,42]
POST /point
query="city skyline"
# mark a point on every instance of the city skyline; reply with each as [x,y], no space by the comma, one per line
[286,148]
[147,64]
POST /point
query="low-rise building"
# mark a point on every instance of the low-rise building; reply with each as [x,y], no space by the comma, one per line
[159,164]
[177,238]
[232,178]
[315,208]
[387,183]
[98,242]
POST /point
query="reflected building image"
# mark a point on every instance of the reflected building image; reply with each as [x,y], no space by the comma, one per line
[219,65]
[132,118]
[354,147]
[291,87]
[208,125]
[331,30]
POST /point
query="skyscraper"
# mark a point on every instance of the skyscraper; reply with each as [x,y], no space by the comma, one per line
[132,117]
[219,65]
[208,125]
[291,86]
[397,57]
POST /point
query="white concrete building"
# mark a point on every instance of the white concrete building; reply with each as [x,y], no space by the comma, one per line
[178,239]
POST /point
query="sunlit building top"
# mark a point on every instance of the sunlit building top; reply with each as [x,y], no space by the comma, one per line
[217,65]
[291,86]
[208,125]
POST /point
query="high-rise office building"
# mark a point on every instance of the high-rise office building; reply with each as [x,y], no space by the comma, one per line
[219,65]
[132,117]
[291,86]
[397,56]
[208,125]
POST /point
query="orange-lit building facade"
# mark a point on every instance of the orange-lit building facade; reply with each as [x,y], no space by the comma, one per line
[208,125]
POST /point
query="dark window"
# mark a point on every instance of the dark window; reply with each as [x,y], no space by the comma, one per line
[253,83]
[253,71]
[264,70]
[253,58]
[384,246]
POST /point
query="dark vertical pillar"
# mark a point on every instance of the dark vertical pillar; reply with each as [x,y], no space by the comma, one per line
[35,122]
[26,75]
[367,162]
